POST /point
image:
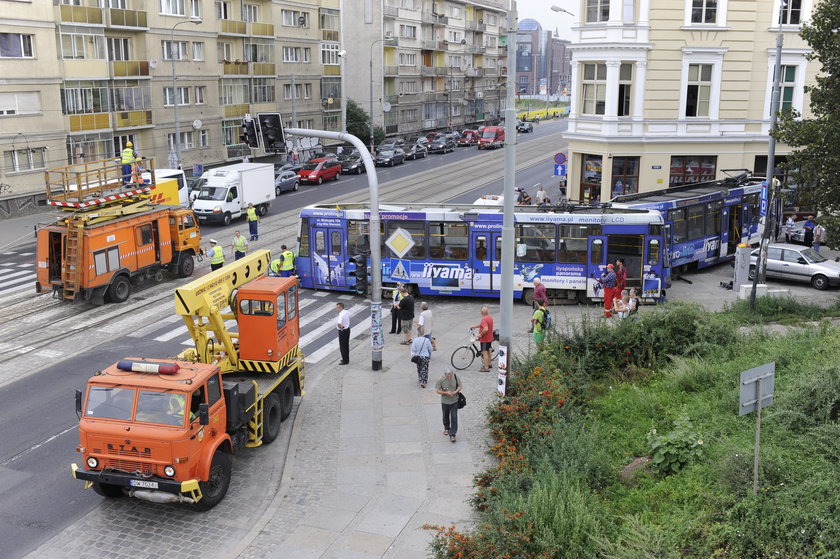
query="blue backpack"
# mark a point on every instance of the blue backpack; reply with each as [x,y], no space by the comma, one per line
[546,321]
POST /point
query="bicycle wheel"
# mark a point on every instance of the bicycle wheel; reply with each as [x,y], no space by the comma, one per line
[462,357]
[494,350]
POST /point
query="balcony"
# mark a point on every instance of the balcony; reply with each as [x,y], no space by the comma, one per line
[132,119]
[329,35]
[441,20]
[428,96]
[474,72]
[94,121]
[427,71]
[429,45]
[407,98]
[332,70]
[80,14]
[231,27]
[262,29]
[476,49]
[441,71]
[391,11]
[393,99]
[391,71]
[236,111]
[427,17]
[134,19]
[263,69]
[392,128]
[129,68]
[235,68]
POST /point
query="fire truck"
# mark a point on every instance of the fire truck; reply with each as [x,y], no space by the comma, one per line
[166,430]
[110,235]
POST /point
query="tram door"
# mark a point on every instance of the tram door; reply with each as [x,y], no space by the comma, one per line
[329,257]
[596,263]
[726,245]
[655,267]
[629,248]
[486,261]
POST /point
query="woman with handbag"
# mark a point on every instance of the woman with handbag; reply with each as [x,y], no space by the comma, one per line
[449,387]
[421,353]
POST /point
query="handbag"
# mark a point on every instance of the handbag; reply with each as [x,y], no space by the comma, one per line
[462,400]
[416,358]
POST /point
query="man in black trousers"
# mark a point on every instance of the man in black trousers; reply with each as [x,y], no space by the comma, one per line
[342,323]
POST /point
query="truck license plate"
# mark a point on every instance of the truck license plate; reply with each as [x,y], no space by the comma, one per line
[146,484]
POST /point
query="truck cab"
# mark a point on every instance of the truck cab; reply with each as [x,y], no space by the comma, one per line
[492,137]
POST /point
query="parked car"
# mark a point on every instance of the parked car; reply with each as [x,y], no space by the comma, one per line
[352,163]
[417,150]
[468,138]
[280,167]
[796,263]
[320,170]
[524,126]
[390,143]
[390,157]
[286,180]
[441,144]
[453,135]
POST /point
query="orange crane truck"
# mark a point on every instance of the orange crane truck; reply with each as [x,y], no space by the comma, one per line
[166,430]
[111,235]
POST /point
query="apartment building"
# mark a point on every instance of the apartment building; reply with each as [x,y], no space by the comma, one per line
[432,64]
[678,91]
[83,77]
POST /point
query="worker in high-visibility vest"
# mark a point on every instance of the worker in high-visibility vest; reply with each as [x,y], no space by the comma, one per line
[127,157]
[253,222]
[287,269]
[137,171]
[239,245]
[216,255]
[274,267]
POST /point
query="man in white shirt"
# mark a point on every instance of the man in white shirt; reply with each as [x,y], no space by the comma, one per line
[342,324]
[425,323]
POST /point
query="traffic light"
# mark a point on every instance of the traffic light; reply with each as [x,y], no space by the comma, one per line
[271,129]
[249,133]
[360,273]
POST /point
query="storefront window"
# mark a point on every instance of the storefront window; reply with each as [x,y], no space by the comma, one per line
[590,180]
[625,175]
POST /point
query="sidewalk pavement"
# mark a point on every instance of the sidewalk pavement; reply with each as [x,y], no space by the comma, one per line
[18,231]
[368,464]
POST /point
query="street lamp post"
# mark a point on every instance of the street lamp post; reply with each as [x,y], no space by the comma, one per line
[196,21]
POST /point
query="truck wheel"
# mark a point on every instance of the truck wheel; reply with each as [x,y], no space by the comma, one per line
[262,209]
[120,290]
[214,489]
[107,490]
[287,398]
[271,418]
[226,219]
[186,265]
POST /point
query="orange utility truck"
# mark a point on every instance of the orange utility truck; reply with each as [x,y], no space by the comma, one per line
[166,430]
[110,235]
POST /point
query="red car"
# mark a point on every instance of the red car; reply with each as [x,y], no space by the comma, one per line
[319,170]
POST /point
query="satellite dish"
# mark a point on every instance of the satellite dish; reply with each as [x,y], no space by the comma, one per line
[386,106]
[197,124]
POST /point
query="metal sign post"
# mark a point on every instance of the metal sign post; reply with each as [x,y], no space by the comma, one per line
[757,392]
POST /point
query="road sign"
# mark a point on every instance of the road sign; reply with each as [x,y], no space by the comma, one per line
[763,204]
[559,170]
[560,158]
[400,242]
[750,400]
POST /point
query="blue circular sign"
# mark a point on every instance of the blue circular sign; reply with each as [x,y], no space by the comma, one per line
[560,158]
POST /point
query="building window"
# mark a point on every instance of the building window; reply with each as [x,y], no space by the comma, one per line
[408,59]
[222,10]
[258,52]
[250,13]
[455,36]
[625,81]
[597,11]
[332,121]
[698,90]
[408,31]
[20,160]
[455,12]
[186,141]
[329,54]
[20,103]
[296,54]
[293,18]
[625,175]
[203,138]
[200,94]
[174,50]
[15,45]
[130,95]
[407,87]
[263,90]
[198,51]
[183,98]
[195,8]
[408,115]
[492,19]
[788,88]
[118,48]
[225,51]
[704,11]
[234,92]
[594,88]
[692,168]
[84,97]
[172,7]
[80,44]
[590,180]
[791,12]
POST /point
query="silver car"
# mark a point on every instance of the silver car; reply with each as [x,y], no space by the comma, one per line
[286,180]
[797,263]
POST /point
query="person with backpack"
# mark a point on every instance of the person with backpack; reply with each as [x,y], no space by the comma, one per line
[541,321]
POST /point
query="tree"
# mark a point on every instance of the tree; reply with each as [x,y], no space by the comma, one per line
[358,124]
[814,161]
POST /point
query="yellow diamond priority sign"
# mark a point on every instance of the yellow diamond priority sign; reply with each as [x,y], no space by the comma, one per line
[400,242]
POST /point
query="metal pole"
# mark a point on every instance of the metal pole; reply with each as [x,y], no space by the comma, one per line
[761,260]
[371,96]
[377,338]
[506,294]
[757,435]
[175,89]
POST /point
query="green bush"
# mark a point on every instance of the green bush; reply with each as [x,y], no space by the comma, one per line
[778,309]
[673,451]
[812,400]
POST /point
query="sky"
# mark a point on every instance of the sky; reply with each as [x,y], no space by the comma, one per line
[540,10]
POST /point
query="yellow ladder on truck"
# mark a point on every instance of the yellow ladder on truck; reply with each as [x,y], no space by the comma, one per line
[71,275]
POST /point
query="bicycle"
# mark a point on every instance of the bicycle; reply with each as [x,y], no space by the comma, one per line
[464,356]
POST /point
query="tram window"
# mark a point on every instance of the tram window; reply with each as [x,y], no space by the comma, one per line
[320,242]
[680,225]
[713,212]
[304,237]
[481,247]
[357,237]
[417,229]
[572,244]
[335,242]
[696,224]
[597,252]
[653,252]
[535,243]
[448,241]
